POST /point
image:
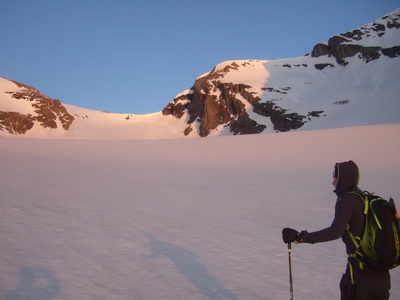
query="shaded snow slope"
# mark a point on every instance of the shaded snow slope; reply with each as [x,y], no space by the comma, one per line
[180,218]
[358,94]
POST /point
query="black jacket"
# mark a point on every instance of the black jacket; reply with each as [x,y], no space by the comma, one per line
[348,210]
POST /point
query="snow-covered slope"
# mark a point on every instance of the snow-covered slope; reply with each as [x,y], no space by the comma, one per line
[154,219]
[350,80]
[85,124]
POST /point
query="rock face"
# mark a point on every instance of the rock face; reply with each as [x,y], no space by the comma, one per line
[212,103]
[46,112]
[16,123]
[348,44]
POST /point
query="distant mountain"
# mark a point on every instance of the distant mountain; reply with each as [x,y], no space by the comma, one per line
[351,80]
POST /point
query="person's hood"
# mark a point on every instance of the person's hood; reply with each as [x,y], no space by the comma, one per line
[348,176]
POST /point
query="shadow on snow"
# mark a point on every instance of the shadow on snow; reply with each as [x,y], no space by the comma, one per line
[189,265]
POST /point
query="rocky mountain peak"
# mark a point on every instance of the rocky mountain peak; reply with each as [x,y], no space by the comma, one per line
[221,101]
[368,42]
[48,112]
[213,102]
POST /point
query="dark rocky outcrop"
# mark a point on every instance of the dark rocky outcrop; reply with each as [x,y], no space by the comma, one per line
[346,44]
[245,125]
[323,66]
[212,103]
[391,52]
[47,112]
[15,123]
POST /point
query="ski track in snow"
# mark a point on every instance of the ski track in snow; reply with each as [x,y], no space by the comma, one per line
[180,219]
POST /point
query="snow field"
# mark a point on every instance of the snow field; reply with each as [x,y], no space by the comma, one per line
[180,219]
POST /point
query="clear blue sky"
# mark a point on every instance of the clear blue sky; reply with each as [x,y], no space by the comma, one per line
[135,56]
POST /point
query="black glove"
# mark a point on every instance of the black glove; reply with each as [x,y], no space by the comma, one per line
[290,235]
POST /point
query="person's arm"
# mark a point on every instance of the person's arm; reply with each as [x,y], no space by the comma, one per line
[343,213]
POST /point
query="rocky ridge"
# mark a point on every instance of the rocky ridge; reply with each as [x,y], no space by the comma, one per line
[47,112]
[347,44]
[212,102]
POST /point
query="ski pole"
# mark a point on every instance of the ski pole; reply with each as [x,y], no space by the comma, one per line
[290,270]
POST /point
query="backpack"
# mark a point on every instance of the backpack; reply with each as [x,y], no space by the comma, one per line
[379,247]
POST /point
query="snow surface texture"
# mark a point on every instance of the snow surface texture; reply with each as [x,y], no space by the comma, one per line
[180,219]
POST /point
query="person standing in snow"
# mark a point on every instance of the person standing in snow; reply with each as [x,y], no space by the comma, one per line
[356,283]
